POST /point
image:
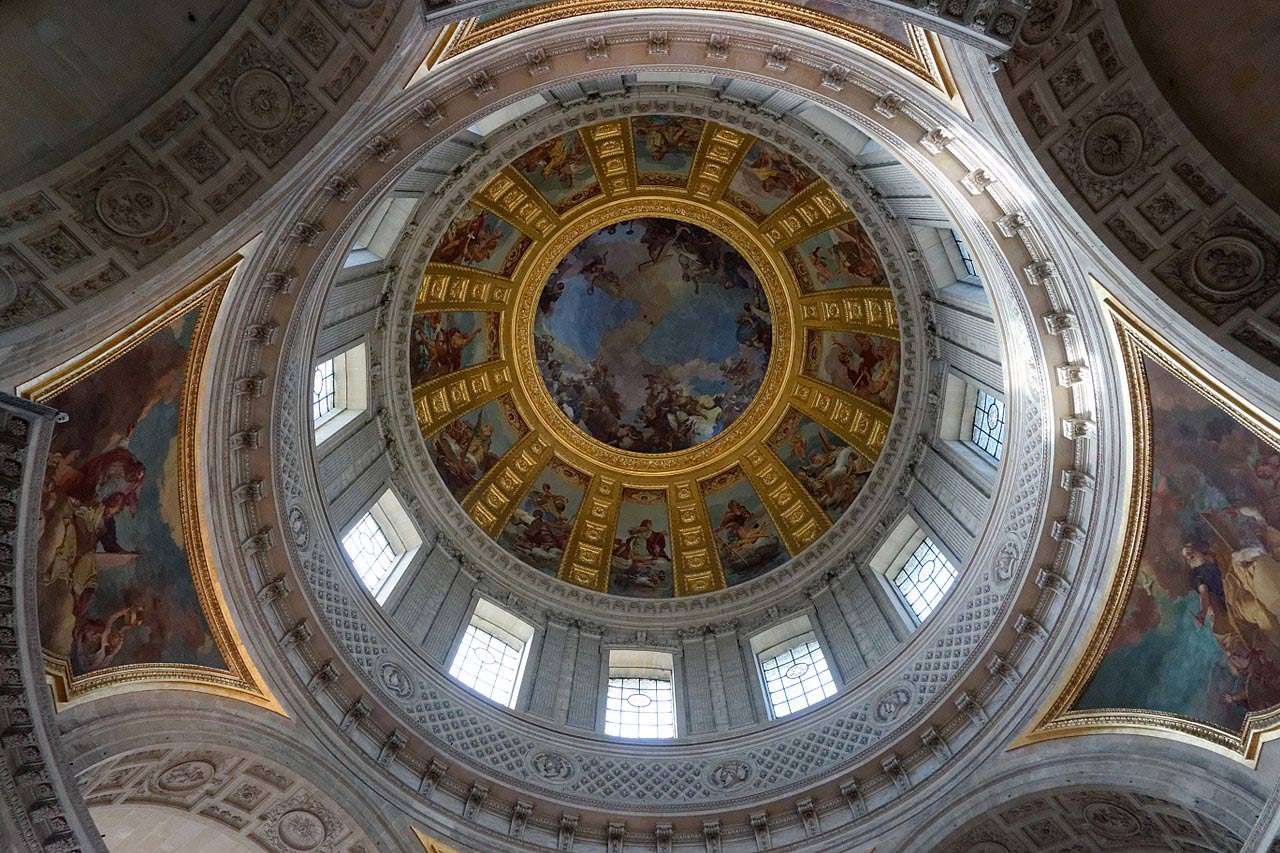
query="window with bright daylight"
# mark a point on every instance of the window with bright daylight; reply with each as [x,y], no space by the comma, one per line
[988,424]
[339,391]
[965,257]
[491,657]
[640,701]
[793,668]
[924,578]
[380,545]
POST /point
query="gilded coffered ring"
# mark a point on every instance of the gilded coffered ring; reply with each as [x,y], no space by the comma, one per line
[655,356]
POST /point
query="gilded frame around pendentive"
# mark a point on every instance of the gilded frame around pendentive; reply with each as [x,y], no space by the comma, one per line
[241,680]
[1058,718]
[921,56]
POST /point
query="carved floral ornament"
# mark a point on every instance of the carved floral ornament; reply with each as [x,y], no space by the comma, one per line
[983,609]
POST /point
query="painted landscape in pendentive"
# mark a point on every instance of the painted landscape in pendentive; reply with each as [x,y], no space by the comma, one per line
[476,238]
[827,467]
[841,257]
[768,177]
[865,365]
[115,583]
[442,342]
[559,167]
[1200,634]
[465,449]
[539,529]
[641,566]
[748,543]
[665,144]
[653,335]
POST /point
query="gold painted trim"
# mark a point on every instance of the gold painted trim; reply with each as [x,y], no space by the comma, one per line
[449,397]
[588,556]
[794,512]
[509,196]
[446,287]
[241,680]
[864,310]
[720,153]
[1057,718]
[858,421]
[492,500]
[695,551]
[611,149]
[808,213]
[916,57]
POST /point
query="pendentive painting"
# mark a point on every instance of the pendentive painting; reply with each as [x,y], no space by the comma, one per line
[748,542]
[1200,633]
[115,584]
[465,449]
[653,335]
[539,529]
[641,565]
[557,168]
[441,342]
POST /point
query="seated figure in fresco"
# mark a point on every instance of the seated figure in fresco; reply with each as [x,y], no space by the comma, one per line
[440,346]
[640,556]
[851,254]
[468,241]
[463,452]
[554,159]
[664,137]
[78,538]
[777,171]
[832,475]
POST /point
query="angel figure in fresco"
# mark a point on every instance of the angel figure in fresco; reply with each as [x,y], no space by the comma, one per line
[663,137]
[640,553]
[468,241]
[851,254]
[448,346]
[550,503]
[543,533]
[657,238]
[832,475]
[597,273]
[80,503]
[778,172]
[96,642]
[740,525]
[554,159]
[755,328]
[463,452]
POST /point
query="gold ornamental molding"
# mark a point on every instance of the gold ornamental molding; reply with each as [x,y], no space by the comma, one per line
[811,330]
[1141,345]
[240,679]
[921,53]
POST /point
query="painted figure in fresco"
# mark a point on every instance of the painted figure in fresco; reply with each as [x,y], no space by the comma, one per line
[1258,681]
[463,453]
[78,540]
[755,328]
[833,475]
[869,367]
[468,241]
[597,273]
[641,556]
[851,254]
[663,136]
[439,346]
[777,172]
[745,540]
[554,159]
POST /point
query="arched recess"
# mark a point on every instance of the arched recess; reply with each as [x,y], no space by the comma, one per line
[216,760]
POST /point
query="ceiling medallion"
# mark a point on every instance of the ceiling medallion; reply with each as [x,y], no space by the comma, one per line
[655,356]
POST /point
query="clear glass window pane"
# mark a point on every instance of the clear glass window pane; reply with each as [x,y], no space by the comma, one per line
[640,706]
[370,552]
[488,665]
[797,678]
[925,579]
[964,254]
[324,391]
[988,424]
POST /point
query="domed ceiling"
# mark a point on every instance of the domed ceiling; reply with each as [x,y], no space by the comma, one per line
[654,357]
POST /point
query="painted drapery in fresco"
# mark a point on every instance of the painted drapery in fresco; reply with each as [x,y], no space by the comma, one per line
[1200,634]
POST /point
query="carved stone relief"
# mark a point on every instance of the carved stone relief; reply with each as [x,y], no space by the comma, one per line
[265,804]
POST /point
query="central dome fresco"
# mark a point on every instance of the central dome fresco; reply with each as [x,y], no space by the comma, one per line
[655,356]
[653,335]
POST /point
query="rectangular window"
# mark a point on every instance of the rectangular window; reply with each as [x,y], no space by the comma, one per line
[490,659]
[324,392]
[925,578]
[380,544]
[988,424]
[965,257]
[796,675]
[339,391]
[640,701]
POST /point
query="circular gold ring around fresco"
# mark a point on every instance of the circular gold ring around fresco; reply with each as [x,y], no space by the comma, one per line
[578,446]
